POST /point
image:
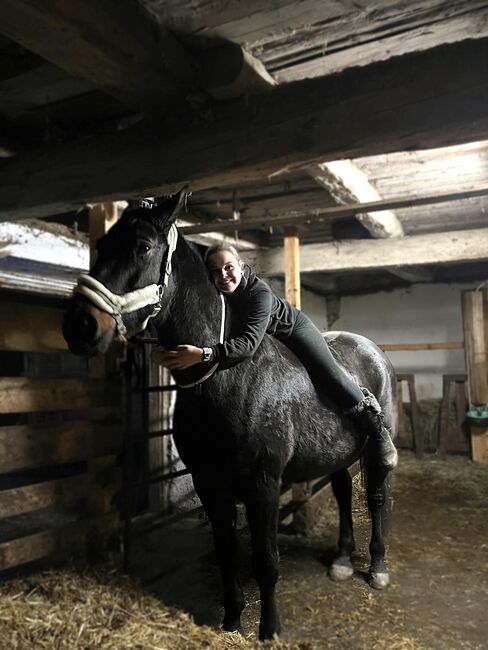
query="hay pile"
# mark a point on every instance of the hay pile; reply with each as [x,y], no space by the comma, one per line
[103,611]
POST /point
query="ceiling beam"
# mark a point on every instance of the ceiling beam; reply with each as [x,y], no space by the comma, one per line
[124,51]
[388,106]
[295,218]
[347,183]
[362,255]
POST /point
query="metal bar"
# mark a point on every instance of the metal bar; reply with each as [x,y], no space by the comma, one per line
[166,520]
[149,480]
[128,463]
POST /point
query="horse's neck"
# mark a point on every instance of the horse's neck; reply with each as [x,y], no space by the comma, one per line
[193,313]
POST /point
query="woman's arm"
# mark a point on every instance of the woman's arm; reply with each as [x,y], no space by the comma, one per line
[250,333]
[231,352]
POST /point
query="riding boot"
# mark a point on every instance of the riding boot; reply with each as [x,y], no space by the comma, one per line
[368,416]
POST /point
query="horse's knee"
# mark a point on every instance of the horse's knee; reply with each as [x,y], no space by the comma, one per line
[376,499]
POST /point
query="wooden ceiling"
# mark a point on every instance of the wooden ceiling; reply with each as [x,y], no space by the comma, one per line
[250,104]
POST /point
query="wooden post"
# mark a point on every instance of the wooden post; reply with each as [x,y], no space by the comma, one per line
[303,518]
[102,217]
[474,306]
[292,267]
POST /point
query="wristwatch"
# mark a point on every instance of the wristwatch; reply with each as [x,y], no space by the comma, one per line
[207,354]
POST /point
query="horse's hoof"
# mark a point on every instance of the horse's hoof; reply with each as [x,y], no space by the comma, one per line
[378,580]
[232,626]
[340,572]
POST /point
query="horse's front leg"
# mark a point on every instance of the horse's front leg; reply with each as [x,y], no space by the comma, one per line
[262,505]
[341,568]
[378,495]
[220,506]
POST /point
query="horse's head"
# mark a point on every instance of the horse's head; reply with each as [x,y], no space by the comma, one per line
[125,287]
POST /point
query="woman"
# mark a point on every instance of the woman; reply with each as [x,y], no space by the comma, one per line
[260,311]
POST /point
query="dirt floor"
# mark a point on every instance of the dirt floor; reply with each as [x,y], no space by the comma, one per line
[437,556]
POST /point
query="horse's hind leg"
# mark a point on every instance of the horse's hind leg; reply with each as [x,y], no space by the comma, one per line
[378,495]
[262,505]
[341,568]
[220,507]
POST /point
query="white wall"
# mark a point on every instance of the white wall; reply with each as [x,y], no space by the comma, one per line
[422,313]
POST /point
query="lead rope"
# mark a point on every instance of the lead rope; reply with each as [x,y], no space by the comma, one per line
[208,374]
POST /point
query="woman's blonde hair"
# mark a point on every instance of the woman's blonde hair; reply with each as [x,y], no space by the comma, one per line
[218,248]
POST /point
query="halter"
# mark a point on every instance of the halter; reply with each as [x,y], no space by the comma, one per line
[117,305]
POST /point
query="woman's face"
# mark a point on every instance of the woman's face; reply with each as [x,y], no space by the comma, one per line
[226,271]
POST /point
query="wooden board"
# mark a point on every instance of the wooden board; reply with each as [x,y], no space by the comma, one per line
[23,447]
[65,540]
[67,491]
[29,328]
[24,395]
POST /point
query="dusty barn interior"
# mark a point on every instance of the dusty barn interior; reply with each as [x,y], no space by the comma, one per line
[342,147]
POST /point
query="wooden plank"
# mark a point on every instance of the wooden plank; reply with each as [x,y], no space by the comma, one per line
[68,540]
[476,366]
[67,491]
[404,347]
[347,183]
[475,348]
[365,254]
[30,328]
[25,395]
[314,215]
[23,446]
[479,444]
[388,106]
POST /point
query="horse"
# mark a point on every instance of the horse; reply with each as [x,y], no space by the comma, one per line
[242,432]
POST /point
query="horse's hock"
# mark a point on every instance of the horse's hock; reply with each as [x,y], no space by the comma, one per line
[60,432]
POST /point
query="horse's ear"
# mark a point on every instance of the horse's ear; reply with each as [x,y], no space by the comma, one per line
[167,208]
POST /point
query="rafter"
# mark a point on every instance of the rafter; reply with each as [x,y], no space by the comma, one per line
[347,183]
[362,255]
[384,107]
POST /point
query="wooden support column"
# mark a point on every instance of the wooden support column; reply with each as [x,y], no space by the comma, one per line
[303,518]
[474,309]
[100,493]
[292,267]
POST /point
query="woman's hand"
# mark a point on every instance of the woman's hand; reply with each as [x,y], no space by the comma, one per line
[183,357]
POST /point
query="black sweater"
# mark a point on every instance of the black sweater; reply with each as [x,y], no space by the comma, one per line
[256,311]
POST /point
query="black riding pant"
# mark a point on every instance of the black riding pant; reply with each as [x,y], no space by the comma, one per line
[328,377]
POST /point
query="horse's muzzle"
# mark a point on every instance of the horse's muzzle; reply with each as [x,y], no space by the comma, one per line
[87,330]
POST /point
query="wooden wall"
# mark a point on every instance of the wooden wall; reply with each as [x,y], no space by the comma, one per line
[57,480]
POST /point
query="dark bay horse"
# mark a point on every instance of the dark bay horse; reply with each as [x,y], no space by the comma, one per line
[244,430]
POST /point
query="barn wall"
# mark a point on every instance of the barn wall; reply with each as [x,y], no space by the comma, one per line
[421,313]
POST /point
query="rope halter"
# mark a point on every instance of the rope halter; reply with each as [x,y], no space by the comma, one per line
[117,305]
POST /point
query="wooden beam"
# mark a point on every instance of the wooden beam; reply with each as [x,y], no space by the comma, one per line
[24,395]
[414,347]
[29,328]
[388,106]
[121,50]
[476,366]
[296,218]
[48,244]
[26,446]
[347,183]
[368,254]
[291,249]
[130,55]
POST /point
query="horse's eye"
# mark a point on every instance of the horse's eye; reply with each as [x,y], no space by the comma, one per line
[143,249]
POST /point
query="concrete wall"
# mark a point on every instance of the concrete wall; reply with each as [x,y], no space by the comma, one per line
[422,313]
